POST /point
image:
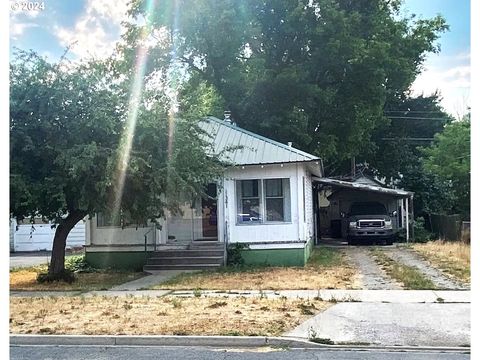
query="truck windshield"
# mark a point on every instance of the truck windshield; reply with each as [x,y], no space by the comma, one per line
[368,208]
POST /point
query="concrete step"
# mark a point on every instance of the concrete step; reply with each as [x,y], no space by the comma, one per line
[181,267]
[188,253]
[185,260]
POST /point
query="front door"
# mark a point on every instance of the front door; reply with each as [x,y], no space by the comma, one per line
[209,214]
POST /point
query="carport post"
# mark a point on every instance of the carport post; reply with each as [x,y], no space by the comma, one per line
[413,219]
[407,220]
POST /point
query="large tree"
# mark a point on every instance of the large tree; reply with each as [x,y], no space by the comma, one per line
[82,141]
[317,73]
[449,159]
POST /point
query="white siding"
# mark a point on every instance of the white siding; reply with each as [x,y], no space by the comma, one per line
[309,206]
[40,237]
[291,233]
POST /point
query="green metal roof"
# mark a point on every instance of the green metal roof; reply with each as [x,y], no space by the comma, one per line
[251,148]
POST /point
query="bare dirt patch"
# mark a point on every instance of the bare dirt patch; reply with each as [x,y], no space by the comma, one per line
[327,269]
[453,258]
[159,316]
[25,279]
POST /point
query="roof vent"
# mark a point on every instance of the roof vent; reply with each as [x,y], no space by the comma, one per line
[290,144]
[226,116]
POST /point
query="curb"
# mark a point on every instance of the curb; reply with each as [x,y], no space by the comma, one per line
[213,341]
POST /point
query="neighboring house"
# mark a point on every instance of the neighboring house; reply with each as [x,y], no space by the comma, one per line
[25,236]
[264,201]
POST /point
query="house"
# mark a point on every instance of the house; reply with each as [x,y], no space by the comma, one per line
[264,200]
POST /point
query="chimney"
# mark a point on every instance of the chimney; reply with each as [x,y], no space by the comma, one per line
[290,144]
[226,116]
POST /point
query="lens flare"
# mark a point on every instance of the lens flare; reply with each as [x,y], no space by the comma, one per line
[133,108]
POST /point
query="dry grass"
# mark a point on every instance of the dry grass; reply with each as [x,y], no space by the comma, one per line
[326,269]
[25,279]
[159,315]
[451,257]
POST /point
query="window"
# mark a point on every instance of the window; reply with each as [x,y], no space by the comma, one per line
[263,201]
[121,219]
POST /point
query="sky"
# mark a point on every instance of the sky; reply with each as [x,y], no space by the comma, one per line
[91,28]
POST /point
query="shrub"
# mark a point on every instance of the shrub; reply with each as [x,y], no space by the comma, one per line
[77,264]
[234,254]
[422,235]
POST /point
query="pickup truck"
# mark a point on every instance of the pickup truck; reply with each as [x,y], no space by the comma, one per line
[369,221]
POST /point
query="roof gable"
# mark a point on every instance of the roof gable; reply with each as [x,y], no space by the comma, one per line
[249,148]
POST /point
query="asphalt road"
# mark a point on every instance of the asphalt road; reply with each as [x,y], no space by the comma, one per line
[198,353]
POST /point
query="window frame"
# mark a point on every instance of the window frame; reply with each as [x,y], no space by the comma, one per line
[262,196]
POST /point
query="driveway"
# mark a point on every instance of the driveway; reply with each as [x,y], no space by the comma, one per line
[371,276]
[390,324]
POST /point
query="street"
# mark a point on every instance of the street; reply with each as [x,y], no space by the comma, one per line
[200,353]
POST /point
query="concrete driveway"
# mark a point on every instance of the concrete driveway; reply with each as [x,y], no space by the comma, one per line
[391,324]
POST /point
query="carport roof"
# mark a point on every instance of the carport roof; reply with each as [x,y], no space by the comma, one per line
[362,187]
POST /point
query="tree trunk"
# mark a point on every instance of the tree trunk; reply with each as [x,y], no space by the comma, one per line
[57,262]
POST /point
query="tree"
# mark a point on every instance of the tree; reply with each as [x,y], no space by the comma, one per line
[317,73]
[449,159]
[74,151]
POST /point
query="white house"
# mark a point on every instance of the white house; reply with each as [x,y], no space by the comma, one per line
[264,200]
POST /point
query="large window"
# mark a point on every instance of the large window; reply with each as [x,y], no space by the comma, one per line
[263,201]
[120,219]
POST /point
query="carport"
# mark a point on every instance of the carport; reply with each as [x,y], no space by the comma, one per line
[334,196]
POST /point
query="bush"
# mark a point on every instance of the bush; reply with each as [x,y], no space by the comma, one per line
[67,275]
[77,264]
[422,235]
[234,254]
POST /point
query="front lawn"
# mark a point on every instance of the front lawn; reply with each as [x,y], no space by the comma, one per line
[327,268]
[101,315]
[26,278]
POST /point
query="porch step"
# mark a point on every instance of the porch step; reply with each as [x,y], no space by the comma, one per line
[181,267]
[187,253]
[197,256]
[175,260]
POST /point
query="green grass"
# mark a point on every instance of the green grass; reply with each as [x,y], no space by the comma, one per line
[326,257]
[411,277]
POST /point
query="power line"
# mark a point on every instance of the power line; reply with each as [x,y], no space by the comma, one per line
[409,139]
[416,118]
[415,111]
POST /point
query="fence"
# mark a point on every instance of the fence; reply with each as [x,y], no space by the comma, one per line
[448,227]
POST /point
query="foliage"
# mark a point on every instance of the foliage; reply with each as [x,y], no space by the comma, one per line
[422,235]
[78,264]
[317,73]
[448,158]
[80,145]
[234,254]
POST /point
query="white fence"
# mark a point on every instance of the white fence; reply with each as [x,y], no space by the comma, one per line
[37,237]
